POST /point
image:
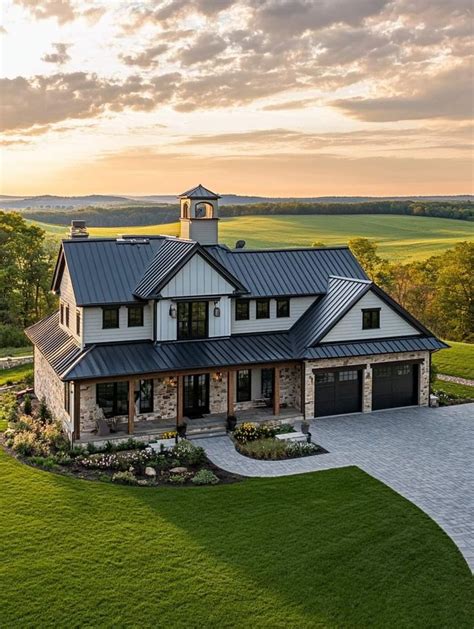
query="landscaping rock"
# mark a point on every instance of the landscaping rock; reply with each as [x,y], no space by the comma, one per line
[150,471]
[178,470]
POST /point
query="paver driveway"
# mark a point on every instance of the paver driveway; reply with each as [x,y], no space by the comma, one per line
[424,454]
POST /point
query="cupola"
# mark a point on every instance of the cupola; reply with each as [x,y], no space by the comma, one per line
[199,215]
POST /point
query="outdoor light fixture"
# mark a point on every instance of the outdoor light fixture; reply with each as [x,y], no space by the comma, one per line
[217,310]
[173,311]
[217,376]
[171,381]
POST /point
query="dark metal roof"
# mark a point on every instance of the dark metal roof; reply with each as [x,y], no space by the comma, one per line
[376,346]
[59,349]
[199,192]
[342,294]
[145,357]
[269,273]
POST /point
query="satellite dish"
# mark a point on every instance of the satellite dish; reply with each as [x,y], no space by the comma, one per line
[240,244]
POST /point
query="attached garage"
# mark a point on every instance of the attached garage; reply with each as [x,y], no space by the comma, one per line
[394,385]
[338,391]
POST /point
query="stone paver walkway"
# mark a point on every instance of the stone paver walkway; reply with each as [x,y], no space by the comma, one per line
[424,454]
[456,379]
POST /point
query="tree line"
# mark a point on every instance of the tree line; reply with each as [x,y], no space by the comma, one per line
[107,216]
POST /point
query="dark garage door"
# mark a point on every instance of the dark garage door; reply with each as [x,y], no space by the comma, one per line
[394,385]
[338,392]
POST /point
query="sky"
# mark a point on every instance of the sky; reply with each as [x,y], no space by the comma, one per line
[257,97]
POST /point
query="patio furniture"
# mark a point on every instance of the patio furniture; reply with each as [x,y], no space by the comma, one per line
[103,428]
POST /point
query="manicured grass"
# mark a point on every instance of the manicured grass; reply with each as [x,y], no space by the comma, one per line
[457,361]
[328,549]
[399,237]
[15,351]
[15,374]
[453,388]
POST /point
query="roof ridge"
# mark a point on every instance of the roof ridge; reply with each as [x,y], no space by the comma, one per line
[350,279]
[285,249]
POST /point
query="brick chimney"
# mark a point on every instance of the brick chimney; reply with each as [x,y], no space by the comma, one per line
[78,229]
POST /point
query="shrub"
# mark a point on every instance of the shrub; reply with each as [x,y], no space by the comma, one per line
[47,462]
[126,477]
[188,454]
[54,436]
[283,428]
[44,414]
[27,405]
[301,449]
[28,443]
[130,444]
[121,461]
[275,450]
[8,407]
[248,431]
[170,434]
[26,423]
[91,448]
[205,477]
[11,336]
[178,479]
[62,458]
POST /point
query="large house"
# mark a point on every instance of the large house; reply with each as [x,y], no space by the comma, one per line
[154,332]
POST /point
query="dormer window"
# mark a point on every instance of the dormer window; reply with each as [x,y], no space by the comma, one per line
[135,316]
[110,318]
[371,318]
[283,308]
[242,310]
[193,320]
[263,309]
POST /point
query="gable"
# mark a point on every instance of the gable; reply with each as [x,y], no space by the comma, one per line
[349,328]
[197,277]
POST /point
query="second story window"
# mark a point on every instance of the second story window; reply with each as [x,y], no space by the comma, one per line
[135,316]
[110,318]
[193,320]
[242,310]
[263,309]
[371,318]
[61,314]
[78,323]
[283,308]
[66,316]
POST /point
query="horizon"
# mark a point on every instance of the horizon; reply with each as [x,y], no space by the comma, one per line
[358,101]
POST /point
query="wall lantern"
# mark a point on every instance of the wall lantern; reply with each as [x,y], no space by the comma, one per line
[171,382]
[217,376]
[173,311]
[217,310]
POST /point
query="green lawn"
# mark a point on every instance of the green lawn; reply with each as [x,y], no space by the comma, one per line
[15,351]
[453,388]
[330,549]
[16,374]
[399,237]
[457,361]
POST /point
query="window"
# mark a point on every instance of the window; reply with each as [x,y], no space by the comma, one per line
[135,316]
[283,308]
[112,398]
[78,322]
[242,309]
[263,308]
[371,319]
[267,383]
[67,397]
[110,318]
[345,376]
[244,385]
[325,378]
[66,310]
[145,396]
[193,320]
[61,314]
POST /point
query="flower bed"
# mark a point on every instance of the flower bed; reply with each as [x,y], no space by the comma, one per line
[40,441]
[258,441]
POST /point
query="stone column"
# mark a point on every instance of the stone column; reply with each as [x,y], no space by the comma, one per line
[367,389]
[308,394]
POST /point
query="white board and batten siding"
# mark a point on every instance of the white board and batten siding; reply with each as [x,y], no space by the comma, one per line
[350,326]
[94,333]
[298,306]
[167,326]
[197,277]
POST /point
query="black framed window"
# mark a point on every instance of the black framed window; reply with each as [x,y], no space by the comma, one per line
[135,316]
[263,308]
[78,322]
[145,396]
[112,398]
[67,397]
[242,309]
[283,308]
[371,318]
[110,318]
[267,382]
[244,385]
[193,320]
[66,316]
[61,314]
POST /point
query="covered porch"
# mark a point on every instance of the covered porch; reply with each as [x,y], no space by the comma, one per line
[148,405]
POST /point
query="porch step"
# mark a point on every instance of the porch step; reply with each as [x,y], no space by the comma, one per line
[204,434]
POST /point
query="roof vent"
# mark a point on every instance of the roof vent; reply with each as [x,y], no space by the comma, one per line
[78,229]
[127,240]
[240,244]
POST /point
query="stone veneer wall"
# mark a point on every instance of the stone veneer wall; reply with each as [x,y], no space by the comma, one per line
[290,389]
[218,394]
[424,376]
[47,385]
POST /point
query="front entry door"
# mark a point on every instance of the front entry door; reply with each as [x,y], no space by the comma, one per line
[196,395]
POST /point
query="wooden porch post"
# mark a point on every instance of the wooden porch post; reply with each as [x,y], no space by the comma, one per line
[230,393]
[77,411]
[131,406]
[179,401]
[276,392]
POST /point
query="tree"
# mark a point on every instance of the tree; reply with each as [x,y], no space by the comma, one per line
[366,253]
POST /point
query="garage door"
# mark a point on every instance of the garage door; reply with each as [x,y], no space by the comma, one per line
[338,392]
[394,385]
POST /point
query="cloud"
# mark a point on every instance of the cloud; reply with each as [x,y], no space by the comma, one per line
[3,30]
[204,48]
[61,9]
[60,56]
[291,104]
[147,58]
[446,95]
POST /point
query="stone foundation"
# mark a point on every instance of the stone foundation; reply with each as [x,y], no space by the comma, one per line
[424,376]
[47,385]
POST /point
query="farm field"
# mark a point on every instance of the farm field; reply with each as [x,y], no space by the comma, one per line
[399,237]
[457,361]
[357,555]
